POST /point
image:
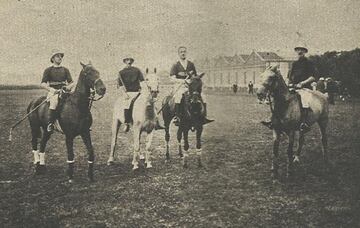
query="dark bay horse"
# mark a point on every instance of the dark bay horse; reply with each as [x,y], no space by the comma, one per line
[286,111]
[74,118]
[191,118]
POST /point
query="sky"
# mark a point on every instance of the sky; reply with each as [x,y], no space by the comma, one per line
[151,30]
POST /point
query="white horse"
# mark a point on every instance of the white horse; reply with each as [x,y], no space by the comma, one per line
[144,119]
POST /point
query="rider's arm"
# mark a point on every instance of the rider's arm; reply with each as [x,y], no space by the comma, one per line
[70,82]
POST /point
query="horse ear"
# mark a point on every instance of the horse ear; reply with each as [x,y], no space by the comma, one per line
[201,75]
[147,70]
[90,62]
[274,68]
[83,65]
[155,70]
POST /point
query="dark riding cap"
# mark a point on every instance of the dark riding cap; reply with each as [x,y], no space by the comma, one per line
[300,48]
[55,52]
[128,58]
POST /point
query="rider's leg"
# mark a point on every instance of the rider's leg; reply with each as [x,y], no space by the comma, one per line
[127,116]
[177,98]
[203,100]
[304,126]
[54,100]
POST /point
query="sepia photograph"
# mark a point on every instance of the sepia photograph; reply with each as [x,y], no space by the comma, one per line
[187,113]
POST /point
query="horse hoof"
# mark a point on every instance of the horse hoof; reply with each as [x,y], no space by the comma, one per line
[142,157]
[148,165]
[110,162]
[135,167]
[185,166]
[296,159]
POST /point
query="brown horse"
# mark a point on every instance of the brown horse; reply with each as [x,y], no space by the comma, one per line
[191,118]
[74,118]
[286,115]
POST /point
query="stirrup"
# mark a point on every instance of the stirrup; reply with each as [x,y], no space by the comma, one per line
[126,127]
[268,124]
[176,121]
[304,127]
[50,127]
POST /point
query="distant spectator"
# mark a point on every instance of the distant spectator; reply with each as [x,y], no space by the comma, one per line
[251,88]
[235,88]
[331,90]
[321,85]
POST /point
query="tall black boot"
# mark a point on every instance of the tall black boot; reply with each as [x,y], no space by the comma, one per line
[177,115]
[304,126]
[52,117]
[205,119]
[127,116]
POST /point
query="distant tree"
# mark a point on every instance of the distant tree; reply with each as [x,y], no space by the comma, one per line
[343,66]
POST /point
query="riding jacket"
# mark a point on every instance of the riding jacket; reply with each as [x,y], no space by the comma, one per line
[57,77]
[178,67]
[131,77]
[301,70]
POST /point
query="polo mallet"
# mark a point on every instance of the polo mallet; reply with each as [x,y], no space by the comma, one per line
[122,82]
[22,119]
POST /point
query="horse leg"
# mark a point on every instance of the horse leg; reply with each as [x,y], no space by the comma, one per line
[275,159]
[167,139]
[301,144]
[149,138]
[41,169]
[186,148]
[34,143]
[324,141]
[198,145]
[136,135]
[91,156]
[70,154]
[114,132]
[290,153]
[179,136]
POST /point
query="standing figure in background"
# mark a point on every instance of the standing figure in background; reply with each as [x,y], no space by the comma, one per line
[251,87]
[235,88]
[321,85]
[331,90]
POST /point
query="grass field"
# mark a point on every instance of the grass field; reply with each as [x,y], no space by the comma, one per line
[234,189]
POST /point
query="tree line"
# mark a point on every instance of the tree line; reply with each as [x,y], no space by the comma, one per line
[343,66]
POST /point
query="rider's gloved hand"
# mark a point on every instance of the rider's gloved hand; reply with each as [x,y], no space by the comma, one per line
[54,91]
[299,86]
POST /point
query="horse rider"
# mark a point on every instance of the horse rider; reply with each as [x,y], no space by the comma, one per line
[131,79]
[55,78]
[179,72]
[300,76]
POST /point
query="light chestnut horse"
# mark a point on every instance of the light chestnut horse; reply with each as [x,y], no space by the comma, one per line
[144,120]
[286,112]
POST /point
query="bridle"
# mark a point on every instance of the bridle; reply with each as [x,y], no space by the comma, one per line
[92,96]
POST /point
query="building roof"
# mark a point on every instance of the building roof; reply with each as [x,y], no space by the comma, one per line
[269,55]
[238,59]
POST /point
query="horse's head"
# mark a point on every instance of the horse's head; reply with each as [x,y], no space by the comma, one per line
[269,82]
[91,78]
[194,98]
[152,83]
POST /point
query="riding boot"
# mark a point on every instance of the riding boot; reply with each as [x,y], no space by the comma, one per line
[52,117]
[127,116]
[177,115]
[268,124]
[206,120]
[158,126]
[304,126]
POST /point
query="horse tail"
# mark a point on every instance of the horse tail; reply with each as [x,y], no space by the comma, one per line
[34,120]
